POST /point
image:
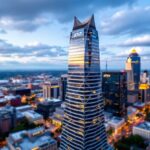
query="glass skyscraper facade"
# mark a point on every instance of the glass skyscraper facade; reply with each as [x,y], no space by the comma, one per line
[83,126]
[114,88]
[136,66]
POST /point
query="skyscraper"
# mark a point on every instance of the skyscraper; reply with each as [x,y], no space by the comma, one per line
[136,66]
[130,79]
[83,126]
[63,86]
[114,88]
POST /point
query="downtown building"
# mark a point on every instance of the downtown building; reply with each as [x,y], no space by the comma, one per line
[83,125]
[136,67]
[133,69]
[114,88]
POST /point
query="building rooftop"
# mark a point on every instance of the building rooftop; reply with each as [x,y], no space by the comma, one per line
[53,100]
[133,53]
[145,125]
[26,140]
[78,24]
[116,120]
[23,107]
[139,104]
[32,114]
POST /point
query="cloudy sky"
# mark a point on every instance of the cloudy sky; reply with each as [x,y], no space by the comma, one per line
[34,34]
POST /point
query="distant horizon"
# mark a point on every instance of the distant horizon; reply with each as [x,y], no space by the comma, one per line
[60,69]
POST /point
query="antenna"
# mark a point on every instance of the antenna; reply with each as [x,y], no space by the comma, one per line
[106,66]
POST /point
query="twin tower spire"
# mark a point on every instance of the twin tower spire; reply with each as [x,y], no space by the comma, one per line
[89,22]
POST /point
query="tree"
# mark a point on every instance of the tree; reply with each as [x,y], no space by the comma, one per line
[133,141]
[110,131]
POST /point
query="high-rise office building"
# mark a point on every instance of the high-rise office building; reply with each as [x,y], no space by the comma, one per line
[114,88]
[130,78]
[63,86]
[144,88]
[83,126]
[136,67]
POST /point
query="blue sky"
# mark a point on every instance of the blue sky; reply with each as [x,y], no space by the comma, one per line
[34,34]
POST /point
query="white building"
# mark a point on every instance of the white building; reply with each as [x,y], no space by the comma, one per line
[33,117]
[51,89]
[143,130]
[116,122]
[35,139]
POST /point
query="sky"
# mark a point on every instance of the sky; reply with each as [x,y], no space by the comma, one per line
[34,34]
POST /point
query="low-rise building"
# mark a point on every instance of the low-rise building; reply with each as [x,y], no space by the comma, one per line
[7,119]
[35,139]
[116,122]
[24,108]
[33,117]
[58,117]
[132,112]
[143,129]
[48,106]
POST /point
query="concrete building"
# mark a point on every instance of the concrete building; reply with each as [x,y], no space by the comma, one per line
[24,108]
[7,119]
[58,117]
[116,122]
[47,107]
[33,117]
[51,89]
[35,139]
[130,78]
[143,130]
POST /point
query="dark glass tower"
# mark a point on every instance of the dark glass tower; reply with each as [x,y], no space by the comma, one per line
[83,127]
[114,88]
[136,66]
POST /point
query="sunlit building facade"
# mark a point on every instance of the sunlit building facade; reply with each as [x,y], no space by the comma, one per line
[136,66]
[83,126]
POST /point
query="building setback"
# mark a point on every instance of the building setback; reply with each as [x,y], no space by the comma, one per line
[83,126]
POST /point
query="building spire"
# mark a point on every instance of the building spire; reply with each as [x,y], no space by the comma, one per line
[92,21]
[76,22]
[89,22]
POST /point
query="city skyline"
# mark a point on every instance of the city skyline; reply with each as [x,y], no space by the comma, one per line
[38,38]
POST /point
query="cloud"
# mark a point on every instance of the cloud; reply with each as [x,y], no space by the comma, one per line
[24,14]
[33,49]
[2,31]
[23,25]
[131,21]
[143,41]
